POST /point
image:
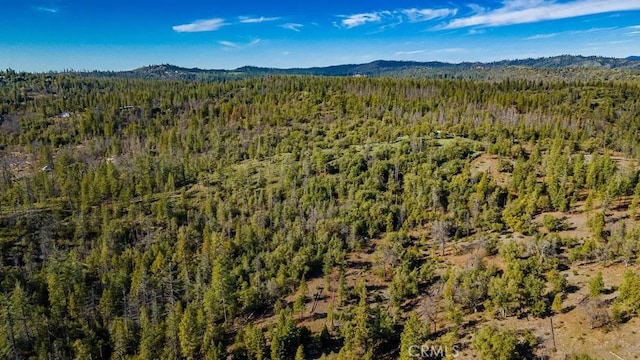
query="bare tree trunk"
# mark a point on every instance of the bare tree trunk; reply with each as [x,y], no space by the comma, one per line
[553,335]
[11,334]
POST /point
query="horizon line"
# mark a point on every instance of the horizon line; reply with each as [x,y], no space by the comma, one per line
[71,70]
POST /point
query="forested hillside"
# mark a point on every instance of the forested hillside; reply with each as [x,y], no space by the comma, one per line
[292,217]
[565,67]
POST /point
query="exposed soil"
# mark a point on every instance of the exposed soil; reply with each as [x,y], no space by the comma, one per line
[490,163]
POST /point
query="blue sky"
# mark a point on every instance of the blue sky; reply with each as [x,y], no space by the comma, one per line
[42,35]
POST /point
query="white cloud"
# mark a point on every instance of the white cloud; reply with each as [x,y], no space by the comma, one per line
[46,9]
[360,19]
[292,26]
[529,11]
[418,15]
[228,44]
[572,32]
[234,45]
[395,17]
[592,30]
[249,20]
[475,32]
[411,52]
[476,9]
[541,36]
[449,51]
[522,4]
[200,26]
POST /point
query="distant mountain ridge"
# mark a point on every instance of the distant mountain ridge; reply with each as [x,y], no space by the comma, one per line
[632,62]
[391,68]
[597,62]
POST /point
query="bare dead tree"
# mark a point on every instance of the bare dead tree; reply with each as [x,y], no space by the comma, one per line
[440,233]
[430,305]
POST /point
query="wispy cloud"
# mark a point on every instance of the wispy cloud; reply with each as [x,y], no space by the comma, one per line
[475,31]
[410,52]
[292,26]
[354,20]
[634,30]
[49,10]
[453,50]
[419,15]
[234,45]
[217,23]
[396,17]
[477,9]
[529,11]
[228,44]
[592,30]
[541,36]
[250,20]
[572,32]
[200,26]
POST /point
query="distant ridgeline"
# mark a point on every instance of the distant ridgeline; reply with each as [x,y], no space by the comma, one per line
[564,67]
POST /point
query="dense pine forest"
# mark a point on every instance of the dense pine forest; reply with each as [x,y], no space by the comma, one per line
[301,217]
